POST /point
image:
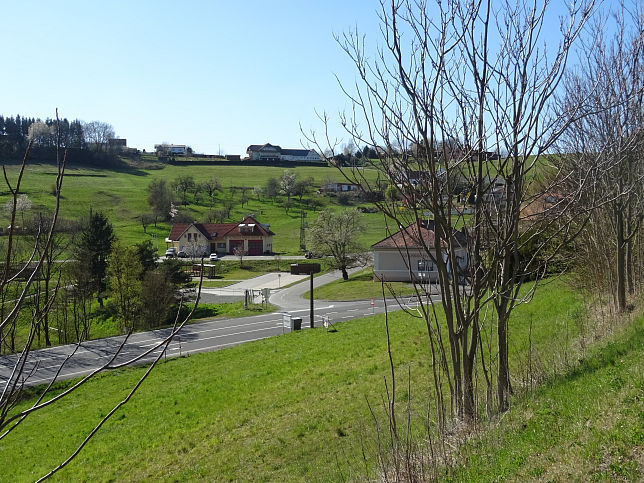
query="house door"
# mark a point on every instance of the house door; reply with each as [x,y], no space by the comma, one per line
[232,244]
[255,247]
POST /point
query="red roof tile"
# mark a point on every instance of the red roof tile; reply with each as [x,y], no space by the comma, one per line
[410,237]
[215,231]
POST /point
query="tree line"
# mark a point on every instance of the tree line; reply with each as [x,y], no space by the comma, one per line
[17,132]
[140,293]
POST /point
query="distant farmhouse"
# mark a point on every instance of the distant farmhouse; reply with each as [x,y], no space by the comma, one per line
[120,145]
[198,239]
[117,143]
[172,149]
[268,152]
[338,187]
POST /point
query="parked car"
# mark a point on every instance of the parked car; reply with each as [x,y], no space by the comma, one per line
[171,252]
[213,257]
[182,254]
[310,254]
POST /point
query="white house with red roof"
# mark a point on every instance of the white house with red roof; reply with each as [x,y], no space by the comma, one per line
[197,239]
[410,254]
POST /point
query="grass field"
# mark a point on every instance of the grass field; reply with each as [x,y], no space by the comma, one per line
[294,407]
[122,195]
[586,424]
[360,286]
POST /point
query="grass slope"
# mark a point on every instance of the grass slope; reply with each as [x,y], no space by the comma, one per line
[586,424]
[293,407]
[122,195]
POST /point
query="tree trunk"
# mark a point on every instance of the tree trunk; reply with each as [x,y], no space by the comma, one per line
[47,271]
[345,274]
[469,411]
[503,379]
[629,251]
[621,261]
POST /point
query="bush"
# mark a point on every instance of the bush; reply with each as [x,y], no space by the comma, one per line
[344,199]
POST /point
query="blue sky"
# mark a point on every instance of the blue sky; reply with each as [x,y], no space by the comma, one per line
[214,75]
[211,74]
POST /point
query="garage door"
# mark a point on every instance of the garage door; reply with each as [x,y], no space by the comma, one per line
[255,247]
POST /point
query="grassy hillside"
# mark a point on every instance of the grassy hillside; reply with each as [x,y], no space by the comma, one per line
[294,407]
[122,195]
[586,424]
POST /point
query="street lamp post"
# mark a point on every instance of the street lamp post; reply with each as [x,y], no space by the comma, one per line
[307,269]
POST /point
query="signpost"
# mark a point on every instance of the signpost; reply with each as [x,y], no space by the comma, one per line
[286,322]
[306,269]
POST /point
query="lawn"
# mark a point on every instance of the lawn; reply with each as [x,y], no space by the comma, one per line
[360,286]
[294,407]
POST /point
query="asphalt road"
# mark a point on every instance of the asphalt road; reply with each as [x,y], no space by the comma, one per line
[41,366]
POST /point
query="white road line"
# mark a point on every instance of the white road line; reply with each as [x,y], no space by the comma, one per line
[192,334]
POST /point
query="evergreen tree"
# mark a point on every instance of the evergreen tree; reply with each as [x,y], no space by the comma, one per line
[10,128]
[94,247]
[18,128]
[76,137]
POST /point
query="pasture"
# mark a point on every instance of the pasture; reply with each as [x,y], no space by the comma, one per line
[121,194]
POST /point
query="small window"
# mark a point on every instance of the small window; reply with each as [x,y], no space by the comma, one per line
[221,245]
[425,265]
[189,234]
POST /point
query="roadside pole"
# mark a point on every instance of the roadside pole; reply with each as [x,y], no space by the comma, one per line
[307,269]
[311,292]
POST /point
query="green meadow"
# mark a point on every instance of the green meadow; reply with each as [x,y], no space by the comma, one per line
[121,194]
[295,408]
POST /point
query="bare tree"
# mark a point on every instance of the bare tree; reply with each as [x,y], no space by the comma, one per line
[51,270]
[609,137]
[302,187]
[97,134]
[160,199]
[19,281]
[182,185]
[240,253]
[272,188]
[336,235]
[211,187]
[145,220]
[477,115]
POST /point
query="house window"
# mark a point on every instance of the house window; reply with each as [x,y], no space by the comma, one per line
[425,265]
[221,245]
[189,234]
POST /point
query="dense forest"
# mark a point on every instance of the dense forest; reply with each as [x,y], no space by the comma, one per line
[85,142]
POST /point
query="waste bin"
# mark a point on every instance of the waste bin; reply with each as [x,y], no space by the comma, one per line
[296,323]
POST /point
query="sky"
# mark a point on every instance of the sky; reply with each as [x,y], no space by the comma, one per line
[217,76]
[214,75]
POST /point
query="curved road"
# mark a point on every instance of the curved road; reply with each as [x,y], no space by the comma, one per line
[209,335]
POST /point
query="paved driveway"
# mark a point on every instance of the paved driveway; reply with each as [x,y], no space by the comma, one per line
[235,292]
